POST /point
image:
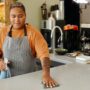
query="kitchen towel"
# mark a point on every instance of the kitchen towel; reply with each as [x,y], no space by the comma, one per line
[5,73]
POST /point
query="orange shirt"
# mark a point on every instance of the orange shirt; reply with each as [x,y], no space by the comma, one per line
[37,42]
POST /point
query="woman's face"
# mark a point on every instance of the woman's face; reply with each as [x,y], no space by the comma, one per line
[17,17]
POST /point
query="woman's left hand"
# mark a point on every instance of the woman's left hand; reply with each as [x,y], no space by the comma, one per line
[49,82]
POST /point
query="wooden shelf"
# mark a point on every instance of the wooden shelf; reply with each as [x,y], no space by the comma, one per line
[2,4]
[4,11]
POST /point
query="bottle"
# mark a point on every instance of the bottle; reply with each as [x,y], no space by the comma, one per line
[44,11]
[51,21]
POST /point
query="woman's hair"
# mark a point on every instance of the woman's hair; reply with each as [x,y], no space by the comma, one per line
[18,5]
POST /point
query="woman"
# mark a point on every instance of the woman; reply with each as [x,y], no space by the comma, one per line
[21,43]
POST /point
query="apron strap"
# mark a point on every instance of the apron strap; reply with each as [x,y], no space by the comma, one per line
[25,30]
[10,32]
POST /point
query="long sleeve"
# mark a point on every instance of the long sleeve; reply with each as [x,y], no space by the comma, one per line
[37,43]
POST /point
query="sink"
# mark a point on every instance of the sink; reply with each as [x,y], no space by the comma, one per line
[56,61]
[53,64]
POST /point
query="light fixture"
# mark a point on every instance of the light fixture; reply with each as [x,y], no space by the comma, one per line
[81,1]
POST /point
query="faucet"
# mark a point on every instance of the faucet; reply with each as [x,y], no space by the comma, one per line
[53,35]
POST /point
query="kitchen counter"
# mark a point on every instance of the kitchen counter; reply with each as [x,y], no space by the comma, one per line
[72,76]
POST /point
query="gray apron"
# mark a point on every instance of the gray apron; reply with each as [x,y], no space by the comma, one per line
[18,51]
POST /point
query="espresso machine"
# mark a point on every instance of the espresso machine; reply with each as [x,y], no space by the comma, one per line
[85,41]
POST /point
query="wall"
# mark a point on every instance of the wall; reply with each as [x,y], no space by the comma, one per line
[85,14]
[33,10]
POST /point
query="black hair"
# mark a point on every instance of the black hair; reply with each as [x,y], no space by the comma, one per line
[18,5]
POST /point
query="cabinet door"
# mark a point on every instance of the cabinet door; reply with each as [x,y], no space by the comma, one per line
[47,35]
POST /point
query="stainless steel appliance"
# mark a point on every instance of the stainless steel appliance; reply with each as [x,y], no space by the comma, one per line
[58,10]
[55,11]
[85,41]
[61,9]
[43,24]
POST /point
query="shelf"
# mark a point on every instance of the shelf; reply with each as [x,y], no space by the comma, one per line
[2,3]
[2,12]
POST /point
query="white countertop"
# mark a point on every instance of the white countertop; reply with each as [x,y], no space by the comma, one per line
[72,76]
[85,25]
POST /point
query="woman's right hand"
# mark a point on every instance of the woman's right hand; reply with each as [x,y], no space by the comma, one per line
[2,65]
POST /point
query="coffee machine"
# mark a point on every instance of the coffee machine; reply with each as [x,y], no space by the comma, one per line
[85,41]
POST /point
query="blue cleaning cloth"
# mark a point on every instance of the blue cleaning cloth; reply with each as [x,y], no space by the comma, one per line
[5,74]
